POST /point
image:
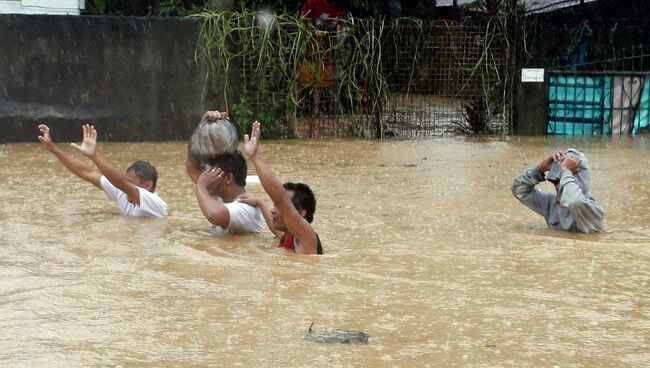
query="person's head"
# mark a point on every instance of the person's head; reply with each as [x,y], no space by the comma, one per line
[233,165]
[583,176]
[302,198]
[142,174]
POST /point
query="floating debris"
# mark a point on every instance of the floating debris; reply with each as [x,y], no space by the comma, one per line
[336,336]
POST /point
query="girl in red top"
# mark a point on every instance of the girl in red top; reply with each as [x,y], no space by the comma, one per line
[295,204]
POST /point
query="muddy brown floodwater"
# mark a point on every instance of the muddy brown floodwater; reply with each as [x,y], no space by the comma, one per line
[427,251]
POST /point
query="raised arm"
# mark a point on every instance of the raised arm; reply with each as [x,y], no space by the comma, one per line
[523,187]
[79,168]
[588,213]
[88,148]
[214,211]
[296,224]
[192,168]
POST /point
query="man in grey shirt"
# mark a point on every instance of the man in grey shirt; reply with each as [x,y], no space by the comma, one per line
[572,208]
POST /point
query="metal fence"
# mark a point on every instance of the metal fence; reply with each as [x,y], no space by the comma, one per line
[598,103]
[438,78]
[598,74]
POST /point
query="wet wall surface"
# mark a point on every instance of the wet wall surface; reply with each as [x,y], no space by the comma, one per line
[135,78]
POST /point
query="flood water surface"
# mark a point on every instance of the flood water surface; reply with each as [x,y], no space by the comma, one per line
[426,251]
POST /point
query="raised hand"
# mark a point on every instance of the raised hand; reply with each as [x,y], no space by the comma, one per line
[252,142]
[545,165]
[89,143]
[45,139]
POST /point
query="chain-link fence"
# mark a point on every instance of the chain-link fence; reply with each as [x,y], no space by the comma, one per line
[433,78]
[436,79]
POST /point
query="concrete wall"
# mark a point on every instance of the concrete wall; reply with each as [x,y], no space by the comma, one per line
[134,78]
[531,109]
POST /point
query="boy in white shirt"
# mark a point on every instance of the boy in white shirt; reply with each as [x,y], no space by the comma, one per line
[133,192]
[220,184]
[218,189]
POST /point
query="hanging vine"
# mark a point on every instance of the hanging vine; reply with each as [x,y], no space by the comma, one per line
[496,65]
[268,54]
[271,51]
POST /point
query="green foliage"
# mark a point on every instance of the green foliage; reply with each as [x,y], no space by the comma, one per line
[245,116]
[107,7]
[292,6]
[176,8]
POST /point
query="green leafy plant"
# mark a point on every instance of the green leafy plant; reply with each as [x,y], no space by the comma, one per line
[107,7]
[245,115]
[176,8]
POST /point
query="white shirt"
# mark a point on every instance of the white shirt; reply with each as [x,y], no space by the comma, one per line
[244,219]
[151,205]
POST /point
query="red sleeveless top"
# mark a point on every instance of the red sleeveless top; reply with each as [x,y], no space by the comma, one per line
[286,242]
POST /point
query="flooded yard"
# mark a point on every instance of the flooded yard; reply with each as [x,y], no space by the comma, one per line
[426,251]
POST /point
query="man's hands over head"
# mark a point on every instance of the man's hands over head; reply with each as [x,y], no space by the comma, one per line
[571,163]
[545,165]
[211,178]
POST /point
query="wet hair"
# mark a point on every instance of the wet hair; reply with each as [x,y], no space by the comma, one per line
[303,199]
[233,163]
[145,171]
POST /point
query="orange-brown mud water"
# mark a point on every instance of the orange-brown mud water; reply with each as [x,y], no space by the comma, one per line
[426,250]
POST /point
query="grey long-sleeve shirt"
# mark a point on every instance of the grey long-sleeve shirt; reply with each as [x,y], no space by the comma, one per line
[577,211]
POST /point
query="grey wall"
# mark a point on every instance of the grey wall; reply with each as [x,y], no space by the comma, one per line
[531,108]
[134,78]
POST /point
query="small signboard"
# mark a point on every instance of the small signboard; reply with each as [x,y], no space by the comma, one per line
[532,75]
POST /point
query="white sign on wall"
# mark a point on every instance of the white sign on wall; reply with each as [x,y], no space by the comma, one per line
[532,75]
[41,6]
